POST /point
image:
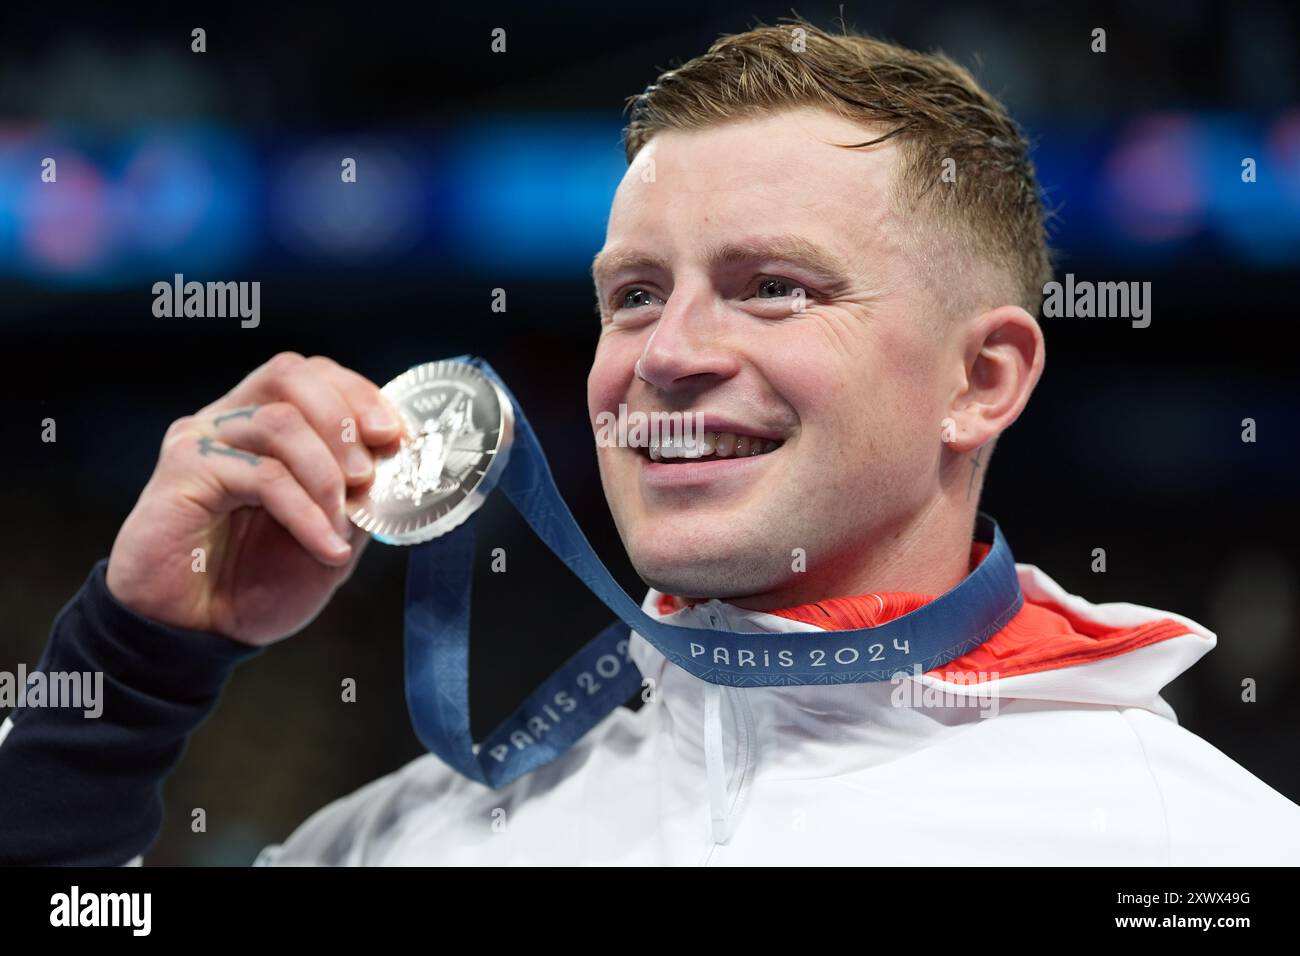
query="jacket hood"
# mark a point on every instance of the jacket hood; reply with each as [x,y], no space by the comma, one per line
[1058,651]
[1059,647]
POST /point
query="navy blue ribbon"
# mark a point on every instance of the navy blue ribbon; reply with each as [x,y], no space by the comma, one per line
[602,676]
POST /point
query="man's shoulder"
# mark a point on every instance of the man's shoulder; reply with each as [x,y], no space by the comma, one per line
[1217,811]
[329,837]
[355,829]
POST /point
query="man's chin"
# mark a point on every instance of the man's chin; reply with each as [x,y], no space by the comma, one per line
[700,576]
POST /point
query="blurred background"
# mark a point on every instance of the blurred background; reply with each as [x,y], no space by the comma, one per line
[479,171]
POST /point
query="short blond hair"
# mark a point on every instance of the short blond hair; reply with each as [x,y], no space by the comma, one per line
[934,107]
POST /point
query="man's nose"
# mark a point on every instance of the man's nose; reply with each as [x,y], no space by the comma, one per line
[688,344]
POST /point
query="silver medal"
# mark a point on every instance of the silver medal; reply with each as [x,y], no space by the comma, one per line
[458,429]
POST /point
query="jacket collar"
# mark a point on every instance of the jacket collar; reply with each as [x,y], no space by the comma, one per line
[825,730]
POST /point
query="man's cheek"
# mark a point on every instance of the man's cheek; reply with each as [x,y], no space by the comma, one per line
[602,386]
[605,464]
[856,461]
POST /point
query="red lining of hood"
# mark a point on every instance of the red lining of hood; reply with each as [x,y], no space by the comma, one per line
[1042,636]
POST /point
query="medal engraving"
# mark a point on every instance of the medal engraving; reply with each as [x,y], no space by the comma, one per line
[458,428]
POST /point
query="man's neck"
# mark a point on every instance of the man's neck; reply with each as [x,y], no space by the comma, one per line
[928,553]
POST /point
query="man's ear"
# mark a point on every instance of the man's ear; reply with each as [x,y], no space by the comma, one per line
[1002,354]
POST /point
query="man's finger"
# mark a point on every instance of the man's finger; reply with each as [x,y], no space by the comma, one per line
[244,478]
[280,431]
[379,422]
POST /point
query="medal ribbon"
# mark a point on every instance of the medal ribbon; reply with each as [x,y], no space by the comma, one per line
[601,676]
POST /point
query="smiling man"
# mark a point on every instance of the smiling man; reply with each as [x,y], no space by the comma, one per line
[830,249]
[772,278]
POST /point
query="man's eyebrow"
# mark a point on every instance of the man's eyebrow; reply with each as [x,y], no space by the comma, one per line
[610,261]
[786,248]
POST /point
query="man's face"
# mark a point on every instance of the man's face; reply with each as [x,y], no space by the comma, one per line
[710,235]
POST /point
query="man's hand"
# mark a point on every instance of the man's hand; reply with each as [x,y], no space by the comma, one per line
[257,480]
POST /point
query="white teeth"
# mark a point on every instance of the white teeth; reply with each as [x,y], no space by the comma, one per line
[683,447]
[718,444]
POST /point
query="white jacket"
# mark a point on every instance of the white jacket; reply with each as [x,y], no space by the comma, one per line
[1082,763]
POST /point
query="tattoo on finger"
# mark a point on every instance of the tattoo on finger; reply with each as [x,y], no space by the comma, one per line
[209,447]
[245,412]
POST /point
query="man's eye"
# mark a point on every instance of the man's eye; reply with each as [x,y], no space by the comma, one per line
[774,289]
[626,302]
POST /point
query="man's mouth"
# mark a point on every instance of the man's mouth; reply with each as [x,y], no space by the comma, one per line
[708,446]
